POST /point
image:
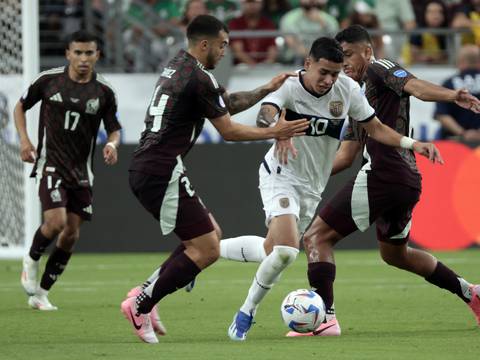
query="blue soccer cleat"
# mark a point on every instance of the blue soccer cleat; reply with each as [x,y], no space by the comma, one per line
[240,326]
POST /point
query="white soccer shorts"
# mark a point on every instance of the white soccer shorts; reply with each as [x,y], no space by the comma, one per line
[283,194]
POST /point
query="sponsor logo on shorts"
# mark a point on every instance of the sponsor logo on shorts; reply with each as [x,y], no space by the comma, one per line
[336,108]
[55,195]
[284,202]
[88,209]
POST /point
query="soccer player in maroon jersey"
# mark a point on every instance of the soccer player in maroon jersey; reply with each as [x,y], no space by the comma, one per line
[387,186]
[184,96]
[75,99]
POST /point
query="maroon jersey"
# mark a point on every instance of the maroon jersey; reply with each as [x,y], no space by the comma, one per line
[70,116]
[384,85]
[184,96]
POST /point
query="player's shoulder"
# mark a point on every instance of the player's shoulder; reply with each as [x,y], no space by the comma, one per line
[104,83]
[50,74]
[387,67]
[345,83]
[206,77]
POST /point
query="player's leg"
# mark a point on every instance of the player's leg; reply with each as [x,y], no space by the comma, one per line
[333,222]
[53,201]
[178,209]
[393,231]
[247,248]
[55,221]
[283,237]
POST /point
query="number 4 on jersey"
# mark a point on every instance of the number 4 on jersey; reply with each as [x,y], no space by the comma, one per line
[157,110]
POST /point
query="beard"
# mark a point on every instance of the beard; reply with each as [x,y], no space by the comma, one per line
[211,63]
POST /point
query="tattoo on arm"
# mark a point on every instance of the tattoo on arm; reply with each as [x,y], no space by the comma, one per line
[243,100]
[266,116]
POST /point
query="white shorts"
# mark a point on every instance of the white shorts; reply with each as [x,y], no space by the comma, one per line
[283,194]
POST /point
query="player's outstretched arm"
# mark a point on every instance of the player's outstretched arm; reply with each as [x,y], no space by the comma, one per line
[232,131]
[386,135]
[242,100]
[28,152]
[427,91]
[110,154]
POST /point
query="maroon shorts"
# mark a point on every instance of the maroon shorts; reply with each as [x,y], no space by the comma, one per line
[173,203]
[365,200]
[54,194]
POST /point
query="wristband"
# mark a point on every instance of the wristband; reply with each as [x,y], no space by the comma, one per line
[111,144]
[406,142]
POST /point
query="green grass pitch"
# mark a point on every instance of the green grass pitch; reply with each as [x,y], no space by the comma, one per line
[385,313]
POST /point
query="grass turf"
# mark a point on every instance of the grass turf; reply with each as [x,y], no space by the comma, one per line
[385,313]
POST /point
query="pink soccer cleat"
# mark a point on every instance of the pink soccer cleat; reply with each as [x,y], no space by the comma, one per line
[329,328]
[474,303]
[157,324]
[141,322]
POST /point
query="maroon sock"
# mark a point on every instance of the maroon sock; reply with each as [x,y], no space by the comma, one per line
[56,263]
[180,271]
[178,250]
[39,244]
[445,278]
[321,276]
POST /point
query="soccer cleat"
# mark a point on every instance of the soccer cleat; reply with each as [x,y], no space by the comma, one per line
[141,322]
[240,326]
[474,303]
[157,324]
[29,274]
[40,302]
[189,287]
[329,328]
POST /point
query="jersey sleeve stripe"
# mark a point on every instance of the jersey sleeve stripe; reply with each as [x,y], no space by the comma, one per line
[53,71]
[214,81]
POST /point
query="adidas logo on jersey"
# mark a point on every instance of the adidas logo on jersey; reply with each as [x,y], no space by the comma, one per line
[56,97]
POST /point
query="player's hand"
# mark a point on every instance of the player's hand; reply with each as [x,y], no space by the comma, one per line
[428,150]
[284,129]
[467,101]
[110,154]
[282,147]
[28,152]
[278,81]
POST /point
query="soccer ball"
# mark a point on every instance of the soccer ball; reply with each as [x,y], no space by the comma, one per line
[303,310]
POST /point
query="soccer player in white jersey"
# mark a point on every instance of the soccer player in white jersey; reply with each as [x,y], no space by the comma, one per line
[290,192]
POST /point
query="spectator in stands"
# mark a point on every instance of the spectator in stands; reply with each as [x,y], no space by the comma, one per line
[428,47]
[306,23]
[395,15]
[364,14]
[193,8]
[253,50]
[468,16]
[456,121]
[152,32]
[275,9]
[223,10]
[339,9]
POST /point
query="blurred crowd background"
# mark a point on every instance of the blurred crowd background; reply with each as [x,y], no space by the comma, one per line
[140,35]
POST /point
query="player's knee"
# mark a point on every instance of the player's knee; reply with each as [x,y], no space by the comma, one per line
[285,254]
[54,226]
[396,260]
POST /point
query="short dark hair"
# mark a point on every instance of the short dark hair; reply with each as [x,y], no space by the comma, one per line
[81,36]
[354,34]
[326,48]
[205,26]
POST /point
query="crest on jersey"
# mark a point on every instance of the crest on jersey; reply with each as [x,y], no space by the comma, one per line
[336,108]
[55,195]
[284,202]
[92,106]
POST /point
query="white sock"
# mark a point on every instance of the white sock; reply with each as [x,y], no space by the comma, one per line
[41,292]
[267,275]
[151,278]
[465,286]
[248,248]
